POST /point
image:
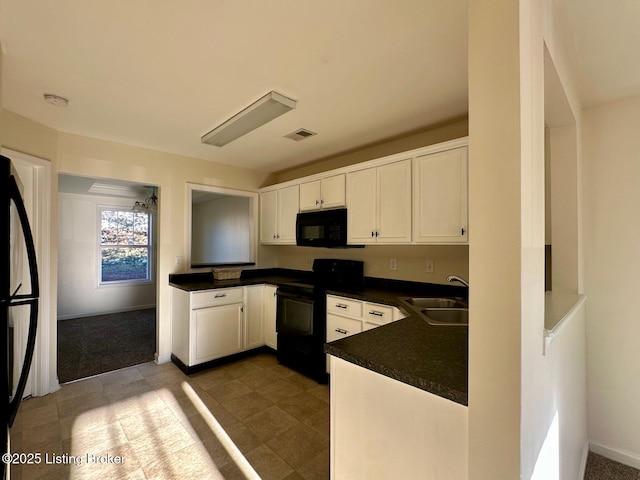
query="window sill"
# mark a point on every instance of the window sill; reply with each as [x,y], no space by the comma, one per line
[559,309]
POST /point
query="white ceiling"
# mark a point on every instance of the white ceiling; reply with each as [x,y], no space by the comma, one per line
[160,73]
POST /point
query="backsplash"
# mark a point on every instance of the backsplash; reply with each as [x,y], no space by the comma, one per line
[410,260]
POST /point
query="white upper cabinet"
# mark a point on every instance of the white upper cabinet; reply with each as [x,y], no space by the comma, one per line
[379,204]
[440,197]
[414,197]
[278,210]
[328,192]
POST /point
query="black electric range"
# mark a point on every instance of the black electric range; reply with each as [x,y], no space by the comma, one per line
[302,313]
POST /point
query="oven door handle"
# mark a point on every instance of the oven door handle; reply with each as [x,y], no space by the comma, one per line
[295,296]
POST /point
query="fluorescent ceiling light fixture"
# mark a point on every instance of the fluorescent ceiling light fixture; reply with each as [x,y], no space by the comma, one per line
[262,111]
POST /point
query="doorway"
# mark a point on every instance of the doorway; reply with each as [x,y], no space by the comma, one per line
[107,237]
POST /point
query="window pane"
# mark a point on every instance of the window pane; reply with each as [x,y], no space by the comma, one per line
[141,229]
[109,227]
[125,228]
[124,263]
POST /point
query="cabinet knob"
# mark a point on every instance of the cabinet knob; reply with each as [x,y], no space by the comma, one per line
[377,233]
[220,295]
[376,313]
[342,331]
[317,202]
[321,202]
[340,305]
[462,231]
[373,234]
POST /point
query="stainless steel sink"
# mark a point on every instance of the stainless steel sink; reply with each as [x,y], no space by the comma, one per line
[446,316]
[439,310]
[427,302]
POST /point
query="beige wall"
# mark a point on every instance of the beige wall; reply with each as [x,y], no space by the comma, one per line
[521,414]
[431,136]
[410,258]
[79,292]
[84,156]
[89,157]
[611,148]
[448,259]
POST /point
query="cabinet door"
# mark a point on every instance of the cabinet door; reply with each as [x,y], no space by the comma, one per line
[333,191]
[361,206]
[270,302]
[253,314]
[287,212]
[440,197]
[394,202]
[217,332]
[310,196]
[269,217]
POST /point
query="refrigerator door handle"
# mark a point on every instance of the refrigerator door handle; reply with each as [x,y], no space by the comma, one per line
[30,298]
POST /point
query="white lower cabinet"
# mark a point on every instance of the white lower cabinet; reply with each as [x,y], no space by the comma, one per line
[382,428]
[253,316]
[217,332]
[211,324]
[347,316]
[269,316]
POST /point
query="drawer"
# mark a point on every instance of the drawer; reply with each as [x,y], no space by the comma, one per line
[221,296]
[344,306]
[341,327]
[377,313]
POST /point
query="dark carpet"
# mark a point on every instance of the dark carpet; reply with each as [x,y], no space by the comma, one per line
[602,468]
[91,345]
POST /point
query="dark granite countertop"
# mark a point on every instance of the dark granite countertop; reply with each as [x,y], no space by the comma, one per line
[193,282]
[432,358]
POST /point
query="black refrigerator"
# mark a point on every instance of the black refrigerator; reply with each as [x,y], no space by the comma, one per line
[18,296]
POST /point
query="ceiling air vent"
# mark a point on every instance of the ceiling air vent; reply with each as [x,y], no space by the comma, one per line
[300,134]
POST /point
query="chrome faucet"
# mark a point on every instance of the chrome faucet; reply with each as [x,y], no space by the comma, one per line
[455,278]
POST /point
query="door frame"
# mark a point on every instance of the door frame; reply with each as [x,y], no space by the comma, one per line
[42,382]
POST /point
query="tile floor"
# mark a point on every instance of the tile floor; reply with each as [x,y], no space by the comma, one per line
[249,419]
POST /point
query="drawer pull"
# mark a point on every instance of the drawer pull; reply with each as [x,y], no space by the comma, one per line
[342,331]
[376,313]
[220,295]
[341,305]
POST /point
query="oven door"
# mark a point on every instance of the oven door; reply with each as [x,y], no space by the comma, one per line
[294,317]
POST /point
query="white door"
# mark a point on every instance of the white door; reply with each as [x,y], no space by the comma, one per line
[269,216]
[440,197]
[310,196]
[361,206]
[217,332]
[333,191]
[253,329]
[287,213]
[394,202]
[270,302]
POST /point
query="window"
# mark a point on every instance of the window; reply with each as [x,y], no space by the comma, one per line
[125,246]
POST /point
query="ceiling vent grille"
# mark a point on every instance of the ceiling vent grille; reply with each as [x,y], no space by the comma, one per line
[300,134]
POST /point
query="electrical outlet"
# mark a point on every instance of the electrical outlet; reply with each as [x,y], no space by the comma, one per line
[178,261]
[430,266]
[308,260]
[393,264]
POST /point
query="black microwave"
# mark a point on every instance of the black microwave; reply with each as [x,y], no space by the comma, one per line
[324,228]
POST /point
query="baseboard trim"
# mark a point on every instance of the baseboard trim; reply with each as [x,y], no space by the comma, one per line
[163,358]
[54,386]
[107,312]
[619,455]
[583,460]
[218,361]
